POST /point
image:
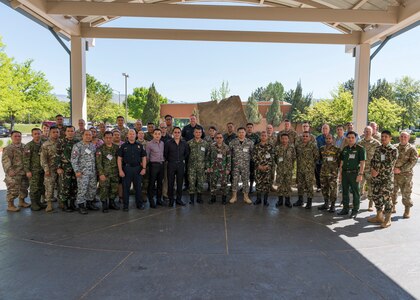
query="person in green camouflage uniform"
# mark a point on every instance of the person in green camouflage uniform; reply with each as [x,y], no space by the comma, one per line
[15,178]
[106,165]
[33,169]
[67,182]
[49,164]
[198,149]
[370,144]
[285,157]
[330,157]
[403,173]
[78,136]
[306,154]
[289,131]
[219,167]
[148,136]
[382,169]
[263,159]
[250,134]
[59,123]
[121,127]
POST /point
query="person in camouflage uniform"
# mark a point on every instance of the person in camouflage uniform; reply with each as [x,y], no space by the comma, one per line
[49,164]
[382,169]
[102,130]
[403,173]
[83,163]
[107,167]
[210,138]
[251,135]
[272,139]
[241,149]
[68,183]
[45,132]
[219,166]
[33,169]
[306,154]
[370,144]
[16,181]
[149,134]
[330,157]
[198,149]
[59,123]
[285,157]
[79,132]
[263,158]
[123,130]
[289,131]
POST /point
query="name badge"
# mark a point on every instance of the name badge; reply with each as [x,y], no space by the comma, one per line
[88,151]
[109,156]
[245,150]
[267,155]
[352,156]
[280,159]
[329,158]
[382,157]
[219,155]
[203,149]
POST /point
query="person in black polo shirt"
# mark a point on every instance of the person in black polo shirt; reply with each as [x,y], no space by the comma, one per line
[131,167]
[176,152]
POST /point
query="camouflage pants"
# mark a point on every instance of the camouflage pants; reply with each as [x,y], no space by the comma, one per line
[196,178]
[382,189]
[403,182]
[305,183]
[329,187]
[68,185]
[17,187]
[263,180]
[108,189]
[241,172]
[36,187]
[219,177]
[284,183]
[86,188]
[367,183]
[50,183]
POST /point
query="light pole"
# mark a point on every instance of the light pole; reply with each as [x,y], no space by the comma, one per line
[126,105]
[119,97]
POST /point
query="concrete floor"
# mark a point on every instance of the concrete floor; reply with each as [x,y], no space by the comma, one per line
[208,252]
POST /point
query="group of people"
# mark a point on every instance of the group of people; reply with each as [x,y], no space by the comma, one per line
[78,165]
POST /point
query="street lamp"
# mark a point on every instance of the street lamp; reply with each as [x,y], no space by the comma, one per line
[126,106]
[119,97]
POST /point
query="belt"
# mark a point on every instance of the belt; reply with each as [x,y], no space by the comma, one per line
[351,171]
[133,165]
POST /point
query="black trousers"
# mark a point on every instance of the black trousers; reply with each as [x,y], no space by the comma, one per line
[175,169]
[318,175]
[155,176]
[132,175]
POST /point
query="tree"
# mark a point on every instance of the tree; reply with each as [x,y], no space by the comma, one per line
[407,95]
[349,86]
[137,101]
[151,110]
[274,115]
[381,89]
[274,90]
[220,93]
[298,101]
[385,113]
[259,94]
[252,113]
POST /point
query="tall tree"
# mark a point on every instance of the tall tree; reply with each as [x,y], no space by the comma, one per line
[151,110]
[407,95]
[137,101]
[221,93]
[387,114]
[381,89]
[274,114]
[274,90]
[349,86]
[298,101]
[252,113]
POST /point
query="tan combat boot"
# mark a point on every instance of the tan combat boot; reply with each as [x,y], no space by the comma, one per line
[49,207]
[406,214]
[387,222]
[370,208]
[379,218]
[233,199]
[246,199]
[11,206]
[23,204]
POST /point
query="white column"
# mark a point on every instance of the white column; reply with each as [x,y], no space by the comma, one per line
[78,80]
[361,87]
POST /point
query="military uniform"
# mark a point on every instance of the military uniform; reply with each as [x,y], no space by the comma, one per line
[62,131]
[241,157]
[106,164]
[78,135]
[17,185]
[255,139]
[148,136]
[49,164]
[306,155]
[83,161]
[291,133]
[219,162]
[370,147]
[285,158]
[407,159]
[330,157]
[227,138]
[262,155]
[196,167]
[32,163]
[123,133]
[68,182]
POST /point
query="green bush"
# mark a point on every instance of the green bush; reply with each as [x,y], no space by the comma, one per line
[418,134]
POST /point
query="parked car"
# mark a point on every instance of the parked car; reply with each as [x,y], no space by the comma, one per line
[4,132]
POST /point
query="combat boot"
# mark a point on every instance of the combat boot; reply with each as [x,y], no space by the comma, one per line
[35,206]
[91,205]
[212,199]
[234,197]
[73,205]
[406,214]
[105,206]
[66,207]
[309,203]
[246,199]
[288,204]
[251,183]
[280,201]
[379,218]
[82,209]
[332,207]
[23,204]
[199,200]
[192,199]
[299,202]
[370,207]
[387,221]
[11,206]
[224,198]
[49,207]
[324,206]
[266,200]
[258,201]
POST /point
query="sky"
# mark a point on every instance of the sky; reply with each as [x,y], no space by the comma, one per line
[187,71]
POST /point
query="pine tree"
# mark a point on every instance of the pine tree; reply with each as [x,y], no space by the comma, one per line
[274,114]
[151,110]
[252,113]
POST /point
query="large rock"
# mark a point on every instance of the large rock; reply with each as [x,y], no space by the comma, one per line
[219,114]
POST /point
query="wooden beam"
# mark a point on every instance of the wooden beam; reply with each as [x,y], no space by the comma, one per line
[221,12]
[220,35]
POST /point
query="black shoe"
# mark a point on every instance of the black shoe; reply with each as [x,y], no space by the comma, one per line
[91,206]
[299,202]
[212,199]
[140,206]
[323,206]
[353,214]
[73,206]
[191,199]
[105,206]
[280,201]
[180,203]
[160,202]
[82,209]
[224,200]
[288,204]
[332,207]
[266,200]
[152,203]
[199,200]
[343,212]
[258,201]
[66,207]
[309,203]
[171,203]
[125,209]
[113,205]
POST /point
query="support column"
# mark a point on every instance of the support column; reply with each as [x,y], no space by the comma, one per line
[78,80]
[361,87]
